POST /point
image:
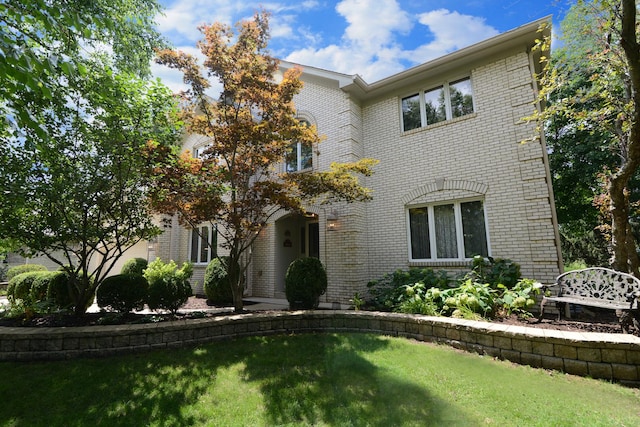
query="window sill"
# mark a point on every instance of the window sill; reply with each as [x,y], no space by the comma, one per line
[440,124]
[441,263]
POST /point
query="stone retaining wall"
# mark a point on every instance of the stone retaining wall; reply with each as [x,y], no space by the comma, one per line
[614,357]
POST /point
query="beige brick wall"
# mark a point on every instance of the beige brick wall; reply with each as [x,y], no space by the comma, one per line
[479,155]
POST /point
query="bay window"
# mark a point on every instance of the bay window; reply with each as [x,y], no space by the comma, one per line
[453,231]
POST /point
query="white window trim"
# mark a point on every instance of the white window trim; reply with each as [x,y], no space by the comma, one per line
[447,102]
[212,229]
[432,232]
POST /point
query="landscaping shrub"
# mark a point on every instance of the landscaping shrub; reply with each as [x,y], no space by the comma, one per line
[24,268]
[135,266]
[123,292]
[28,293]
[19,287]
[60,290]
[169,287]
[216,284]
[520,298]
[305,282]
[388,292]
[495,271]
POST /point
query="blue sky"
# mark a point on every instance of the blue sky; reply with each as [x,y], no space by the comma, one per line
[371,38]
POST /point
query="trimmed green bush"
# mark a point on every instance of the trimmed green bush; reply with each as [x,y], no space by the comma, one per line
[135,266]
[123,292]
[24,268]
[169,287]
[19,287]
[60,290]
[216,284]
[305,282]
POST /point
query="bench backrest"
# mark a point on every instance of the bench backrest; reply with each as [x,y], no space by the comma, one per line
[599,283]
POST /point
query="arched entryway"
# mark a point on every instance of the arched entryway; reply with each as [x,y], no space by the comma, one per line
[297,236]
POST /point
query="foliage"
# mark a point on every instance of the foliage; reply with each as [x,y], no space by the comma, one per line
[385,293]
[44,44]
[24,268]
[217,286]
[77,195]
[470,300]
[61,291]
[19,287]
[29,293]
[575,265]
[305,282]
[495,271]
[169,286]
[236,184]
[520,297]
[134,266]
[358,301]
[123,292]
[593,86]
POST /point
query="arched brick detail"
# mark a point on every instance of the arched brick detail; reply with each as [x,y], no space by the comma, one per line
[446,185]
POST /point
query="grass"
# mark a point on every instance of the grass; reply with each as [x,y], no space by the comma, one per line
[323,379]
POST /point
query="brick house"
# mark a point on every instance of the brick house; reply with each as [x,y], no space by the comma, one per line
[454,178]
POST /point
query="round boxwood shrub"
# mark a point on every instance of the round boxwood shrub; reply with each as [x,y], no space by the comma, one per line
[169,287]
[59,290]
[24,268]
[123,292]
[135,266]
[19,287]
[216,284]
[305,282]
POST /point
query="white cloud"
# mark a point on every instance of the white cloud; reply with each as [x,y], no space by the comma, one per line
[369,45]
[451,31]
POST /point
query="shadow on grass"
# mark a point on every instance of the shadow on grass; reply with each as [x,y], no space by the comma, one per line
[330,380]
[302,380]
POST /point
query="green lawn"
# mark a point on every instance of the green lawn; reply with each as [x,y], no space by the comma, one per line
[324,379]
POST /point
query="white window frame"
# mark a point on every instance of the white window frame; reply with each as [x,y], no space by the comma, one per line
[459,230]
[447,102]
[211,250]
[297,146]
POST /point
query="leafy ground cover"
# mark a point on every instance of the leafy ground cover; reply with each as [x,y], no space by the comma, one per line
[320,379]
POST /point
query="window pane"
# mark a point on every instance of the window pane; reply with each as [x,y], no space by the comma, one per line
[194,246]
[411,112]
[475,234]
[204,244]
[419,225]
[461,98]
[291,158]
[435,105]
[306,157]
[445,225]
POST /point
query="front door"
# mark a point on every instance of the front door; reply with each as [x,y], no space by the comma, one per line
[298,237]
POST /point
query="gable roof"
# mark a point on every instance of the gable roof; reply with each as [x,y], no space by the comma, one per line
[519,39]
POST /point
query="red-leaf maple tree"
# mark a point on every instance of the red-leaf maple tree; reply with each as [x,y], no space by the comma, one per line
[236,183]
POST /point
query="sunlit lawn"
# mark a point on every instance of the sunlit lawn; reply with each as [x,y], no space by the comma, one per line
[324,379]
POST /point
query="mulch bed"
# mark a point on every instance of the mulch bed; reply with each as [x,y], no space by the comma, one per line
[603,321]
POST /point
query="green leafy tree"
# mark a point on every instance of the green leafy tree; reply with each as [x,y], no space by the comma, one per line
[250,127]
[76,194]
[43,43]
[604,102]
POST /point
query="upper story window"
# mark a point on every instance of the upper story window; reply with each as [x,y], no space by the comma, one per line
[299,156]
[203,244]
[453,231]
[437,104]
